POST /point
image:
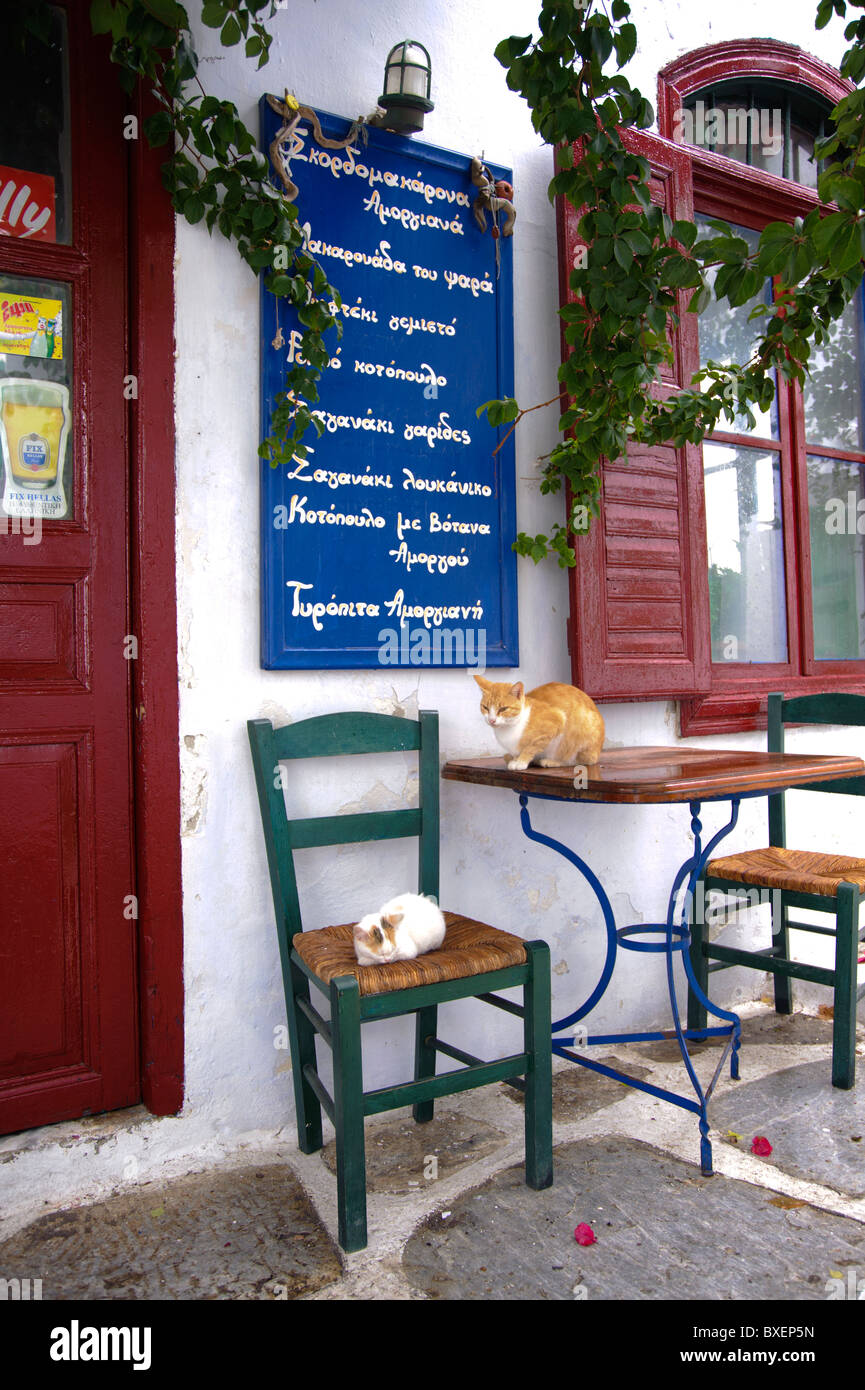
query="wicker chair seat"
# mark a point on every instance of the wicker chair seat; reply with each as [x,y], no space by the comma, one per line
[798,871]
[469,948]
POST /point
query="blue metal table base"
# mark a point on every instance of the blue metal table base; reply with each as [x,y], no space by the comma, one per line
[677,938]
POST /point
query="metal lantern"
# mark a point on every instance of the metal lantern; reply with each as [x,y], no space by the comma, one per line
[407,78]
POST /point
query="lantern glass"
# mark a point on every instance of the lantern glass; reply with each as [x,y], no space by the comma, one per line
[408,71]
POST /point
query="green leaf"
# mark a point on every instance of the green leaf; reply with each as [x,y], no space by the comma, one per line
[601,38]
[825,11]
[213,14]
[230,32]
[623,253]
[638,242]
[847,193]
[511,48]
[685,233]
[101,16]
[158,128]
[846,249]
[827,231]
[626,44]
[168,12]
[681,273]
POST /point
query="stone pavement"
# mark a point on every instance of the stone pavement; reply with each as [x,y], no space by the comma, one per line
[450,1216]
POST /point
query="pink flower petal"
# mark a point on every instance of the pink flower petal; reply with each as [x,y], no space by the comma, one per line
[760,1146]
[584,1235]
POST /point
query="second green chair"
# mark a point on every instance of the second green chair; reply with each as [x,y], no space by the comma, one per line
[828,883]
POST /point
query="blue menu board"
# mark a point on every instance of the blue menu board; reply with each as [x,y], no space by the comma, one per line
[390,544]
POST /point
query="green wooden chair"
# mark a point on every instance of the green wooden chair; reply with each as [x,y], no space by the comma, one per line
[822,882]
[474,961]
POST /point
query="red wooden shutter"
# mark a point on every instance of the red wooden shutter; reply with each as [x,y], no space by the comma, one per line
[639,626]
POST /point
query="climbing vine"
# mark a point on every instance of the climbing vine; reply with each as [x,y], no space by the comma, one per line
[624,290]
[616,326]
[216,174]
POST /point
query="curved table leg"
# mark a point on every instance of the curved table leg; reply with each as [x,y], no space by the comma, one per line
[676,938]
[692,869]
[605,905]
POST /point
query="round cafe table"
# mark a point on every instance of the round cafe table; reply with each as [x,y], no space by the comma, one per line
[653,776]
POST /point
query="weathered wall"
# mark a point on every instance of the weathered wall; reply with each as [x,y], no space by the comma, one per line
[331,54]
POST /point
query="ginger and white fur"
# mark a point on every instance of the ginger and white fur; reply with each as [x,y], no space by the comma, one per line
[406,927]
[554,725]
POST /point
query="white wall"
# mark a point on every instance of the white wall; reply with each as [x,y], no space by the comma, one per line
[331,53]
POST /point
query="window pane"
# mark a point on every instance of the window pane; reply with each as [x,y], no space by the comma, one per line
[769,125]
[803,166]
[35,193]
[746,554]
[726,336]
[35,398]
[833,392]
[837,511]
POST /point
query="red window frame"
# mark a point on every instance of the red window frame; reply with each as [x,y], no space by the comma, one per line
[737,193]
[731,697]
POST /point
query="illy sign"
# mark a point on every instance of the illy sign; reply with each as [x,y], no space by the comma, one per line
[27,205]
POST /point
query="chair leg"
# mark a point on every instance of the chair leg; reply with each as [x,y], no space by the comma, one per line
[348,1112]
[539,1075]
[846,951]
[302,1037]
[426,1022]
[697,1017]
[782,984]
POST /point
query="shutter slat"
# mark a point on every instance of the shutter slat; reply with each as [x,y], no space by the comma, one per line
[639,593]
[646,616]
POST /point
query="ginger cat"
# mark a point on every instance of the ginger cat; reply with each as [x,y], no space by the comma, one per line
[554,726]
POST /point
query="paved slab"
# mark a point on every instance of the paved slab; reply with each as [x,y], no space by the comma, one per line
[786,1030]
[579,1091]
[398,1155]
[816,1131]
[663,1231]
[239,1234]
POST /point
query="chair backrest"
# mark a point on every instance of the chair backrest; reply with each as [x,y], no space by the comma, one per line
[838,707]
[333,735]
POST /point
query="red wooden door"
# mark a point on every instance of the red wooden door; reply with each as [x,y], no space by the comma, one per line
[68,1026]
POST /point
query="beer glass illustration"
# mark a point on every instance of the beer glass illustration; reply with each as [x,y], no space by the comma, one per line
[34,416]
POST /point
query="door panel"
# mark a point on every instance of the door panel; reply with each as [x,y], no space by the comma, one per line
[68,1035]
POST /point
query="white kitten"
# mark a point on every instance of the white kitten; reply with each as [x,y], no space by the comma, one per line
[405,927]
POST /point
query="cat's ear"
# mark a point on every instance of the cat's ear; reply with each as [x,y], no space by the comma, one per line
[394,919]
[518,690]
[484,684]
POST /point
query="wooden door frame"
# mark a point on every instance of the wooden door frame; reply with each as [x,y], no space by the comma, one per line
[155,714]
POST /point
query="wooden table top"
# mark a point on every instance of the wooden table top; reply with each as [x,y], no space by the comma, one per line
[636,775]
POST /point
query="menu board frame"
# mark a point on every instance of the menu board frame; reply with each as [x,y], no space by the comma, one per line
[417,568]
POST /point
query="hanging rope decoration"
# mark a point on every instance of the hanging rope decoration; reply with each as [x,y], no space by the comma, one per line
[494,196]
[281,149]
[293,113]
